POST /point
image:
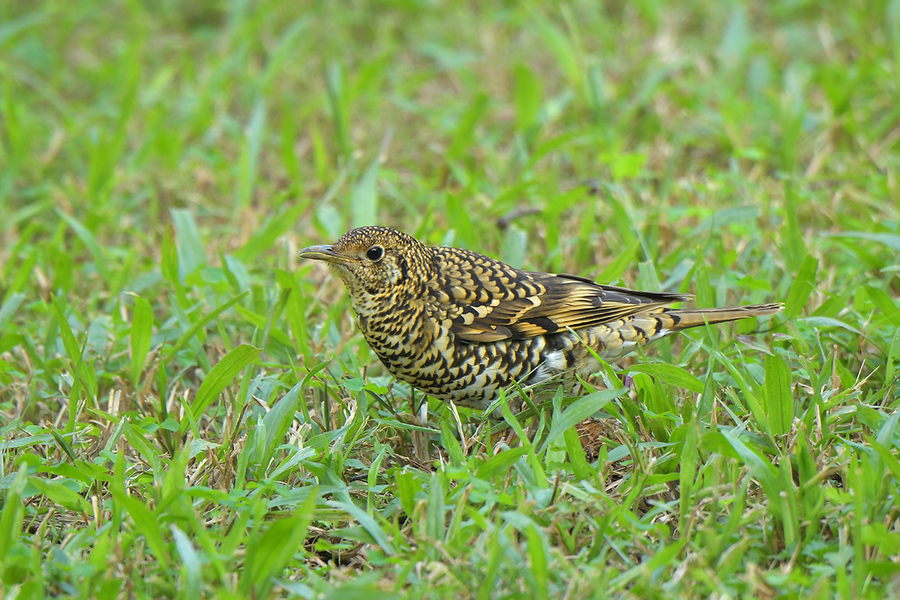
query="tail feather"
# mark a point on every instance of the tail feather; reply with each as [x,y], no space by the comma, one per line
[685,318]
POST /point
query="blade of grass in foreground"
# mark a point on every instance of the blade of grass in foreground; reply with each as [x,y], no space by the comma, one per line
[141,332]
[779,404]
[268,554]
[189,333]
[220,376]
[801,288]
[13,513]
[368,523]
[671,374]
[577,412]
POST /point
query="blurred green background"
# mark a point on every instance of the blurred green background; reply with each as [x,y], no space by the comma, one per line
[162,162]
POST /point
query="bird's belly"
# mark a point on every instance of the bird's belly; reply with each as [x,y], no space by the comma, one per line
[463,373]
[472,374]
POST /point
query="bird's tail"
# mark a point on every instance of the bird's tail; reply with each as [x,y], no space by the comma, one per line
[685,318]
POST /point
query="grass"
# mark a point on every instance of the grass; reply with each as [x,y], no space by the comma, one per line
[187,410]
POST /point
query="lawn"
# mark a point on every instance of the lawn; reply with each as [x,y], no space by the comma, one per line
[187,408]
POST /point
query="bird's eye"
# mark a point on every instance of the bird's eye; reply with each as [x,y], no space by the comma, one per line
[375,253]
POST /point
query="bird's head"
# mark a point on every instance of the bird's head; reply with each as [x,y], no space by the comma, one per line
[376,261]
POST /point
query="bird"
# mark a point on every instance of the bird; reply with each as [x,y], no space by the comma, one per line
[461,326]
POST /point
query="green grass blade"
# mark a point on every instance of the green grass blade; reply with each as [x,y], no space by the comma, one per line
[794,248]
[463,134]
[12,514]
[801,288]
[538,562]
[528,94]
[435,518]
[577,458]
[141,332]
[336,83]
[451,444]
[271,231]
[577,412]
[779,404]
[200,324]
[146,524]
[221,375]
[61,494]
[368,523]
[278,420]
[560,46]
[191,253]
[500,462]
[8,309]
[671,374]
[87,238]
[190,563]
[268,554]
[364,200]
[622,261]
[249,160]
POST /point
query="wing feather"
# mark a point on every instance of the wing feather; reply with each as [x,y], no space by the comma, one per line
[489,301]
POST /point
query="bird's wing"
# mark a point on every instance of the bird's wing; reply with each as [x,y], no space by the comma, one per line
[488,301]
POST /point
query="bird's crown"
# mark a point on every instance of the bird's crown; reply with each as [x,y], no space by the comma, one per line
[365,238]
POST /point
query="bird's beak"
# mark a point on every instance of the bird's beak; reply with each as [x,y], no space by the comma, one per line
[325,253]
